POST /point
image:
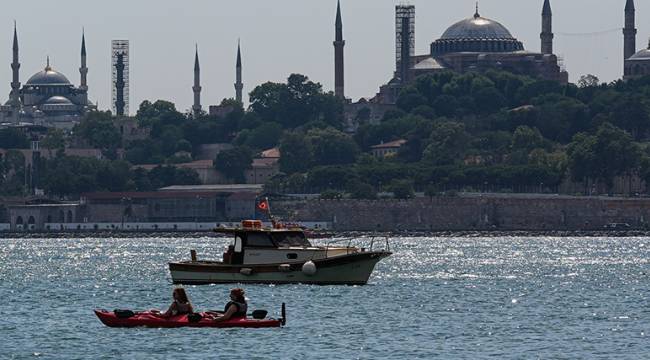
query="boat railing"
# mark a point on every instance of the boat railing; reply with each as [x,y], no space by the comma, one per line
[369,241]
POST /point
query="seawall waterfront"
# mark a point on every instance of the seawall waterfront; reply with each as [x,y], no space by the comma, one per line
[473,212]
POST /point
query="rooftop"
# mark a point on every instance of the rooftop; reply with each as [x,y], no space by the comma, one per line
[390,145]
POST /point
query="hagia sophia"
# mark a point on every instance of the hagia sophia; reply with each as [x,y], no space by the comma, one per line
[476,43]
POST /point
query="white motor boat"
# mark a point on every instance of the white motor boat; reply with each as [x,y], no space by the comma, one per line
[281,256]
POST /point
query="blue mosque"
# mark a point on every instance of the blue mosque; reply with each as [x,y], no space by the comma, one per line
[48,98]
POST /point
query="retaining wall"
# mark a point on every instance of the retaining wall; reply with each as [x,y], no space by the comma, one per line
[475,212]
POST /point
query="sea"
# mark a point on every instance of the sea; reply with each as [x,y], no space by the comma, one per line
[470,297]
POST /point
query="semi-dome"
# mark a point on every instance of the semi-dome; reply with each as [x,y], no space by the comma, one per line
[58,100]
[48,76]
[641,55]
[476,34]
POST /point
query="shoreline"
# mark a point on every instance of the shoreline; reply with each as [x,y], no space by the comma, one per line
[336,234]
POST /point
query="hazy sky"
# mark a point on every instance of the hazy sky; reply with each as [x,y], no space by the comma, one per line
[280,37]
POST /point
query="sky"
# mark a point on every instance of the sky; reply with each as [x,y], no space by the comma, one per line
[280,37]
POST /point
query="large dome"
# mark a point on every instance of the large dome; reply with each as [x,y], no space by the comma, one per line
[477,27]
[476,34]
[48,77]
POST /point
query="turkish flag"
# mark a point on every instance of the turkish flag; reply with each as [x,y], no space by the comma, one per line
[263,205]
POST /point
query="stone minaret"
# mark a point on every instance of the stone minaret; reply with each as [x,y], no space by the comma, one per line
[339,43]
[239,86]
[547,28]
[196,108]
[629,31]
[83,70]
[15,66]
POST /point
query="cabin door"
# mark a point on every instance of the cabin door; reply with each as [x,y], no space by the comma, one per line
[238,251]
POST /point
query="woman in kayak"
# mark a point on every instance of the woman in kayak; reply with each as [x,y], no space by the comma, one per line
[236,307]
[180,306]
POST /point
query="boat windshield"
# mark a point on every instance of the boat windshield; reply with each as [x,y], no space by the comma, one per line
[290,238]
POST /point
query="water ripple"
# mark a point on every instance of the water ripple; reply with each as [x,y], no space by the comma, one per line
[510,297]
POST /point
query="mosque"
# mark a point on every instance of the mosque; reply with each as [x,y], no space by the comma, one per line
[477,44]
[637,63]
[48,98]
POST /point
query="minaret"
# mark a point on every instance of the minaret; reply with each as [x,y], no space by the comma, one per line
[120,84]
[339,43]
[629,31]
[83,70]
[547,28]
[15,66]
[196,108]
[405,63]
[239,86]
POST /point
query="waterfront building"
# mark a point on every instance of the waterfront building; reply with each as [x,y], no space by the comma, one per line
[48,98]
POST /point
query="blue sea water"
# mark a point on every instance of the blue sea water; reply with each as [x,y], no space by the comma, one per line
[507,297]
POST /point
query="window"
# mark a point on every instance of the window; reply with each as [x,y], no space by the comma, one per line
[238,244]
[290,238]
[258,239]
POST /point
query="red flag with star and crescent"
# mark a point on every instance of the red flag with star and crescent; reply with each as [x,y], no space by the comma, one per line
[263,205]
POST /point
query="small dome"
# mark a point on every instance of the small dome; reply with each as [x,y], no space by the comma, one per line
[48,77]
[58,100]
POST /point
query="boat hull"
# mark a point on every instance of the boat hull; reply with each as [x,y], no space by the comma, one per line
[353,269]
[147,319]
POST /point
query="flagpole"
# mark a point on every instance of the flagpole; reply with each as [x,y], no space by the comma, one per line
[268,210]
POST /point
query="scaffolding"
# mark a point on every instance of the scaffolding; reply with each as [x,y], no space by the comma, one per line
[120,77]
[403,14]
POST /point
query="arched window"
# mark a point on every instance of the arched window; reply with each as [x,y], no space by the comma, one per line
[31,220]
[19,220]
[61,216]
[49,218]
[69,216]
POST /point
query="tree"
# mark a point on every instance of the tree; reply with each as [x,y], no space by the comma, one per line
[447,144]
[296,103]
[98,130]
[13,138]
[264,137]
[362,190]
[603,156]
[588,80]
[234,162]
[527,139]
[295,153]
[54,140]
[332,147]
[330,177]
[12,175]
[402,189]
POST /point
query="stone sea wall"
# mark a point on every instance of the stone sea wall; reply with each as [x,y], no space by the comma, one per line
[471,212]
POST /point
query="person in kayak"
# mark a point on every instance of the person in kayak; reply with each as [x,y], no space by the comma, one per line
[236,307]
[180,306]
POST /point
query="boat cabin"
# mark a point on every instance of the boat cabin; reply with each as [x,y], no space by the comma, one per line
[258,244]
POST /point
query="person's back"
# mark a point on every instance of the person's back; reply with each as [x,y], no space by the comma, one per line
[242,308]
[235,308]
[181,304]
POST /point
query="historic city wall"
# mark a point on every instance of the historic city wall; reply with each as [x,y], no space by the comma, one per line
[486,212]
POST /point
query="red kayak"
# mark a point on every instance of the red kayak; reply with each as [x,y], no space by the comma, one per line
[126,318]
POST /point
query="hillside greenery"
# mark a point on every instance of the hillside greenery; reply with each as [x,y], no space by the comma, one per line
[493,130]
